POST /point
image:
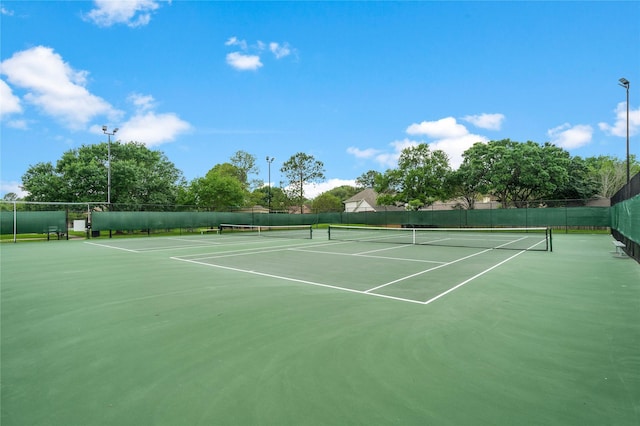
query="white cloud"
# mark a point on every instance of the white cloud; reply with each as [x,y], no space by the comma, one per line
[18,124]
[455,147]
[249,57]
[53,86]
[243,62]
[12,186]
[5,11]
[10,103]
[445,134]
[152,129]
[449,136]
[486,121]
[362,153]
[444,128]
[234,41]
[571,137]
[280,50]
[390,159]
[619,128]
[133,13]
[142,102]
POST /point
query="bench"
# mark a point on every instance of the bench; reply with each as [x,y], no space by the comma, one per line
[619,246]
[54,230]
[208,230]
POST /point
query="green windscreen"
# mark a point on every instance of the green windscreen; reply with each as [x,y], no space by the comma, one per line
[454,218]
[39,222]
[625,218]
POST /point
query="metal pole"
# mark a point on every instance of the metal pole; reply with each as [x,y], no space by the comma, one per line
[625,83]
[109,169]
[628,176]
[105,131]
[269,161]
[269,186]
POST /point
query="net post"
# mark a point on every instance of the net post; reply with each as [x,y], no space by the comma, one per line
[329,232]
[550,236]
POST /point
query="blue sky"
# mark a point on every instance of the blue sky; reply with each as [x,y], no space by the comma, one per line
[351,83]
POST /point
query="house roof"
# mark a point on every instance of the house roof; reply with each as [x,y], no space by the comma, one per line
[368,195]
[371,198]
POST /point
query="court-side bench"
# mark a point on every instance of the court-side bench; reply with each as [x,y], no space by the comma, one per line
[619,245]
[209,230]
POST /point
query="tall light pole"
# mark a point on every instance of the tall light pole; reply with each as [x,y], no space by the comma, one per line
[269,161]
[625,83]
[104,130]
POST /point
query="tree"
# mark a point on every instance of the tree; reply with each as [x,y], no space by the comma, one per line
[388,185]
[138,176]
[343,192]
[11,196]
[299,170]
[245,164]
[419,179]
[610,173]
[327,202]
[460,184]
[217,191]
[279,199]
[43,183]
[581,185]
[367,179]
[515,172]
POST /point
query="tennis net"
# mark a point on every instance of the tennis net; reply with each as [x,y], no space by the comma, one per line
[493,238]
[282,231]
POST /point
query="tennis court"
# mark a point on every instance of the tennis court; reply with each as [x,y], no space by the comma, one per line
[237,329]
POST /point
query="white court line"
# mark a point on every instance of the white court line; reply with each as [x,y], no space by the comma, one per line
[401,259]
[193,240]
[146,250]
[425,271]
[112,247]
[241,252]
[369,291]
[384,249]
[262,274]
[471,279]
[204,244]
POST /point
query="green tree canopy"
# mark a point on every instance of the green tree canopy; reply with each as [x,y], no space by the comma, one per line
[300,169]
[419,179]
[327,202]
[367,179]
[610,173]
[138,176]
[515,172]
[279,199]
[245,165]
[343,192]
[216,191]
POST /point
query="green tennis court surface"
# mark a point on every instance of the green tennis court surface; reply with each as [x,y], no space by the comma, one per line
[235,330]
